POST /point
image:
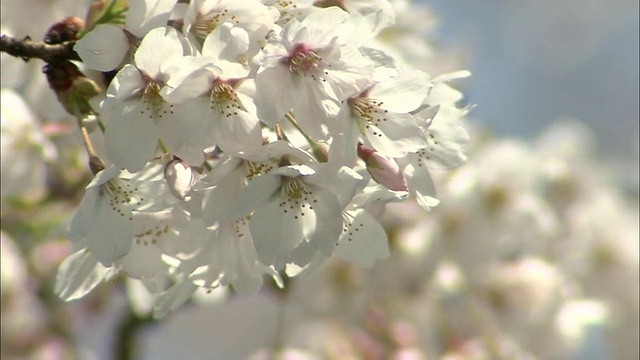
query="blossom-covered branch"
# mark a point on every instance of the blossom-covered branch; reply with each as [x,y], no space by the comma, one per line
[27,49]
[280,196]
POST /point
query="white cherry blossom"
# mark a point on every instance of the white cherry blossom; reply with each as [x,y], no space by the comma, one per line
[229,259]
[309,69]
[216,99]
[381,117]
[134,105]
[444,150]
[296,203]
[104,220]
[204,16]
[105,47]
[232,130]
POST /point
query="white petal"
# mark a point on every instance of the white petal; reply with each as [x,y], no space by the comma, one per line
[242,269]
[81,222]
[188,131]
[144,258]
[226,42]
[322,223]
[225,166]
[238,134]
[421,185]
[258,191]
[303,255]
[275,234]
[404,93]
[232,70]
[385,66]
[293,170]
[126,83]
[345,134]
[103,176]
[447,138]
[192,79]
[273,90]
[324,24]
[246,92]
[112,234]
[156,47]
[77,275]
[103,48]
[143,261]
[342,181]
[131,137]
[313,108]
[396,136]
[350,73]
[278,149]
[460,74]
[442,93]
[217,200]
[173,298]
[144,15]
[363,240]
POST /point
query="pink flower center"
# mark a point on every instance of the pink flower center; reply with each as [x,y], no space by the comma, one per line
[303,60]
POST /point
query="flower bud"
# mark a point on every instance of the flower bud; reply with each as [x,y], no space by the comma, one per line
[320,151]
[179,177]
[65,30]
[71,86]
[383,169]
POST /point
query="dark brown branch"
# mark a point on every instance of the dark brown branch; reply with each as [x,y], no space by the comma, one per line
[27,49]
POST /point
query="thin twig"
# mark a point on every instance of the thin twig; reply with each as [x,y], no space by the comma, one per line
[28,49]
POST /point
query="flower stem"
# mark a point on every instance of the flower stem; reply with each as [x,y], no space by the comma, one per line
[317,151]
[128,329]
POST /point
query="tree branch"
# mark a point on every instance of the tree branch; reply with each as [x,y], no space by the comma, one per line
[27,49]
[126,342]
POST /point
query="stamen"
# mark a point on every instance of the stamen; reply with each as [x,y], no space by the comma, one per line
[303,61]
[120,195]
[153,100]
[296,197]
[370,111]
[206,23]
[224,99]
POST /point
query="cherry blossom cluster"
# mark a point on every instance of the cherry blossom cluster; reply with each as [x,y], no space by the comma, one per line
[238,139]
[544,265]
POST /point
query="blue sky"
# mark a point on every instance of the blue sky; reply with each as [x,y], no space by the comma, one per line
[536,61]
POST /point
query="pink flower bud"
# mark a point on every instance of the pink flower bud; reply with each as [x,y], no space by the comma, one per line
[383,169]
[179,178]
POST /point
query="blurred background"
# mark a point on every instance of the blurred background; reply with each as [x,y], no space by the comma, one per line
[535,61]
[532,63]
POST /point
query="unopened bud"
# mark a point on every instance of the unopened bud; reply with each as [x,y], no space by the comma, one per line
[179,177]
[320,151]
[65,30]
[384,170]
[72,88]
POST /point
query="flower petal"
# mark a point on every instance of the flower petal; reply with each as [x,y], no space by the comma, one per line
[130,137]
[77,275]
[421,185]
[156,47]
[275,235]
[103,48]
[396,136]
[363,240]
